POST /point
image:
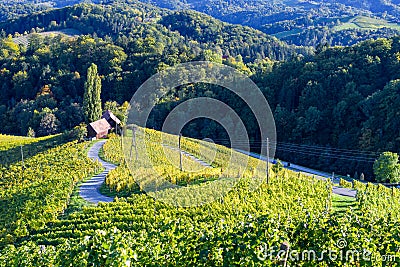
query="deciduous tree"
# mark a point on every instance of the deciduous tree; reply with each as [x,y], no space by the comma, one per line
[387,168]
[91,98]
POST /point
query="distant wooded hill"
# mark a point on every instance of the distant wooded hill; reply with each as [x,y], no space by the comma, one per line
[300,22]
[10,9]
[122,20]
[336,22]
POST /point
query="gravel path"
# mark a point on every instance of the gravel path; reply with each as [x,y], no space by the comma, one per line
[202,163]
[344,191]
[90,190]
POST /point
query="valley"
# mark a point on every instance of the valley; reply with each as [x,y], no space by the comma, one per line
[199,133]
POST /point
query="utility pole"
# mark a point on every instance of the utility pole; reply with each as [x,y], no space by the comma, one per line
[180,151]
[267,160]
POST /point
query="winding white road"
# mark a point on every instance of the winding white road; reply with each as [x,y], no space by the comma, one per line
[90,190]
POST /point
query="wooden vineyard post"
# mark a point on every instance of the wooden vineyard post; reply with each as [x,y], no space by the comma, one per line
[122,136]
[134,136]
[133,141]
[180,151]
[267,161]
[22,158]
[134,144]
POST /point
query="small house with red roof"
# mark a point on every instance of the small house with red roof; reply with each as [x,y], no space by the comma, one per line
[98,129]
[101,128]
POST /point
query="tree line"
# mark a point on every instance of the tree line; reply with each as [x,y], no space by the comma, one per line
[306,23]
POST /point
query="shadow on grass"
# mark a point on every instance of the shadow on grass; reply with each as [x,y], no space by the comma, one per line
[13,155]
[105,190]
[341,204]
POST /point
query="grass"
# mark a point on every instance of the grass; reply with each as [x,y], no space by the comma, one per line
[76,202]
[10,151]
[102,156]
[341,204]
[24,40]
[363,22]
[90,144]
[106,191]
[285,34]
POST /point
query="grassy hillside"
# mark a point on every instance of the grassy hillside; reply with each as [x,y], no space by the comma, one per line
[37,191]
[24,40]
[10,147]
[8,141]
[363,22]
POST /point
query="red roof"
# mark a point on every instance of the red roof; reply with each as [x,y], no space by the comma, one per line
[100,126]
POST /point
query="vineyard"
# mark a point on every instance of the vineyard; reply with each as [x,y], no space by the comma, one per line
[243,227]
[37,192]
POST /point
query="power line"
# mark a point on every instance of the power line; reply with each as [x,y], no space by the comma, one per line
[331,148]
[307,147]
[346,153]
[325,155]
[322,155]
[317,151]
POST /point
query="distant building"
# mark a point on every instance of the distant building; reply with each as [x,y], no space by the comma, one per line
[98,129]
[111,118]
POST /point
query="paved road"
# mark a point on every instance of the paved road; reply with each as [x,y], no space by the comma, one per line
[307,171]
[90,190]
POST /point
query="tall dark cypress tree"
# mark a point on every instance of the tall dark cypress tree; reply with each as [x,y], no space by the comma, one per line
[91,98]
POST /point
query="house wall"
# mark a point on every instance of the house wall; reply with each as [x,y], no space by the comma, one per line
[91,132]
[102,134]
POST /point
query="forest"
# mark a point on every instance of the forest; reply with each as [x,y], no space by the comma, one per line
[337,98]
[306,23]
[48,74]
[11,9]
